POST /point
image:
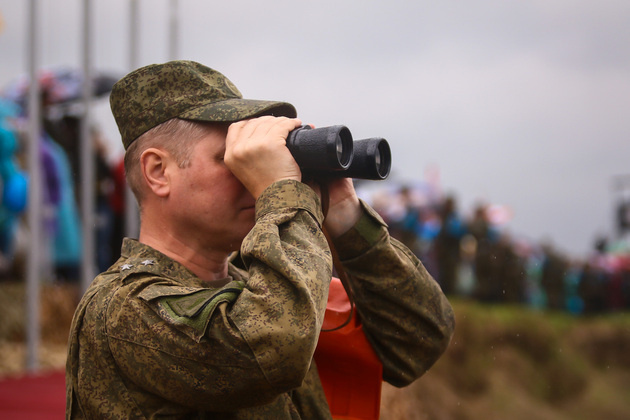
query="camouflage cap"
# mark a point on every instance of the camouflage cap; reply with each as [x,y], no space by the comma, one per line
[156,93]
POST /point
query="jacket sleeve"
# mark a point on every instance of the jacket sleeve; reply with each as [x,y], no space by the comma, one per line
[405,315]
[281,310]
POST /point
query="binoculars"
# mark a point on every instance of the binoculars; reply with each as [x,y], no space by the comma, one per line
[330,151]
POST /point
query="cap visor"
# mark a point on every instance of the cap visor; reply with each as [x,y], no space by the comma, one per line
[231,110]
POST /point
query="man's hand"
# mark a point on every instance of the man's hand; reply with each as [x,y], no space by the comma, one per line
[344,209]
[256,152]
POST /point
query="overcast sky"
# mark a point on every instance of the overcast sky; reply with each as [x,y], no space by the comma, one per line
[518,103]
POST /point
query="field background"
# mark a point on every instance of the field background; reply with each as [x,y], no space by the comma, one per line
[505,362]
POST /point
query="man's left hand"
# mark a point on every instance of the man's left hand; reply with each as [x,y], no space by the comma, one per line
[344,209]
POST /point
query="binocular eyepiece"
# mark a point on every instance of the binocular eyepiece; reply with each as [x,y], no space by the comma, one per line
[330,151]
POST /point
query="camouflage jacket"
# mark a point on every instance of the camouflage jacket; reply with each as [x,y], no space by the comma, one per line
[149,339]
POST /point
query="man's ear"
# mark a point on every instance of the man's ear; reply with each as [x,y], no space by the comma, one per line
[154,164]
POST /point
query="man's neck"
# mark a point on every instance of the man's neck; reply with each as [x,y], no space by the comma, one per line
[208,265]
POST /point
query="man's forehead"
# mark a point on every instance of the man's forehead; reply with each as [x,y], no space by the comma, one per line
[214,135]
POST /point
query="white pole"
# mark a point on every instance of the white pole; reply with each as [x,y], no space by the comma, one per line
[88,270]
[134,26]
[132,222]
[34,216]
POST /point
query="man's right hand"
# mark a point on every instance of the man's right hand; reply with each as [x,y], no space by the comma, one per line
[256,152]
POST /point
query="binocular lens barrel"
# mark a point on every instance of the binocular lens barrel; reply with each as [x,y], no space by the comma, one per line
[372,159]
[321,149]
[330,151]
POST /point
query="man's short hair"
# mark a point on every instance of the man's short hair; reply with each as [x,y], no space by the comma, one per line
[176,136]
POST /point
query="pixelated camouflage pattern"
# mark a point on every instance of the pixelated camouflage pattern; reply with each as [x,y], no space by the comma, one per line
[156,93]
[149,339]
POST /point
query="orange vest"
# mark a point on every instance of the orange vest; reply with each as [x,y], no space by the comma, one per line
[348,367]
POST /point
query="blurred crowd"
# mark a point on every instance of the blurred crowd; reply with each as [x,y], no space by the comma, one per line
[59,155]
[471,254]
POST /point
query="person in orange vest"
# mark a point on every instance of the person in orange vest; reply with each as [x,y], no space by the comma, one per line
[182,326]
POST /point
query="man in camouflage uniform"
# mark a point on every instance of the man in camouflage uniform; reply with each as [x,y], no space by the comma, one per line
[176,328]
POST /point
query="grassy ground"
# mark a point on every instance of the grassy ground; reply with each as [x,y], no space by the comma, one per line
[505,362]
[509,362]
[56,310]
